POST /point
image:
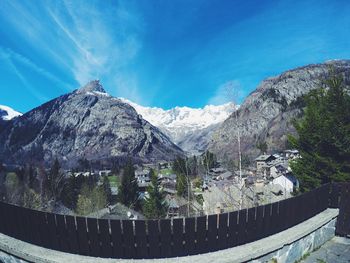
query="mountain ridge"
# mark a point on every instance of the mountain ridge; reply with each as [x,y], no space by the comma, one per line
[267,113]
[186,126]
[86,123]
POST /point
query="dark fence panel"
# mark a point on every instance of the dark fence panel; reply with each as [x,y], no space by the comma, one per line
[93,237]
[251,225]
[171,238]
[153,238]
[222,231]
[128,239]
[233,229]
[190,236]
[201,234]
[82,235]
[141,239]
[267,220]
[52,229]
[72,235]
[165,238]
[259,222]
[105,238]
[117,240]
[242,226]
[62,233]
[273,227]
[178,238]
[335,195]
[343,222]
[212,232]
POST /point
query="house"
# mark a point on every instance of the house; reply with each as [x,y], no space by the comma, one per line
[225,176]
[164,165]
[168,183]
[143,179]
[167,178]
[291,154]
[263,160]
[114,191]
[287,182]
[84,174]
[177,206]
[279,169]
[105,173]
[216,171]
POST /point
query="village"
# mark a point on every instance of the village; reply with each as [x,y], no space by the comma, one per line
[211,191]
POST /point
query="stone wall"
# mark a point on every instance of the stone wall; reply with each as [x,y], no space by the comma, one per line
[295,251]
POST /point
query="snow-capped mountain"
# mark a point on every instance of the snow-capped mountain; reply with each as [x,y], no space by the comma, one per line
[180,123]
[7,113]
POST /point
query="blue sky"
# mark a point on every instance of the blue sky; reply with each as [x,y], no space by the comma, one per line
[162,53]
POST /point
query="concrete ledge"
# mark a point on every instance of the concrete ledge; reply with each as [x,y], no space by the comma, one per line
[262,248]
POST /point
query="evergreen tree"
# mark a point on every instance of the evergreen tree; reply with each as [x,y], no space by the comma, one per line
[55,181]
[324,136]
[262,146]
[154,205]
[70,192]
[209,160]
[179,166]
[129,190]
[31,176]
[107,189]
[182,185]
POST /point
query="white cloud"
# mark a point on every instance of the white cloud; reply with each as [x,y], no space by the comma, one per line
[84,39]
[104,42]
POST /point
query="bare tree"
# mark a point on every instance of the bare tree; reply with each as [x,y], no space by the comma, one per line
[232,94]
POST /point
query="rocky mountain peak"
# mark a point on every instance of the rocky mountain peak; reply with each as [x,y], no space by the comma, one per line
[92,86]
[85,124]
[267,113]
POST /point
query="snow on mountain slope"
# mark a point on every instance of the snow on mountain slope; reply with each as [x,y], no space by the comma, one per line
[7,113]
[181,122]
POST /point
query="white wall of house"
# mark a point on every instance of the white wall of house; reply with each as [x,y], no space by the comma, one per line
[284,182]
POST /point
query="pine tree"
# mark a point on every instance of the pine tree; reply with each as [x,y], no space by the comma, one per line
[70,192]
[129,190]
[179,165]
[209,160]
[55,180]
[107,189]
[324,136]
[181,185]
[262,146]
[154,205]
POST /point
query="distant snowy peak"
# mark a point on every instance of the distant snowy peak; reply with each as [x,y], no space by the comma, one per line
[181,121]
[7,113]
[184,116]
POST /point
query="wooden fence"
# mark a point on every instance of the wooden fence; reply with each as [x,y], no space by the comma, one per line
[166,237]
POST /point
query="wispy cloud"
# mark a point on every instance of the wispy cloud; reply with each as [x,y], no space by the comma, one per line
[7,53]
[6,58]
[101,50]
[82,38]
